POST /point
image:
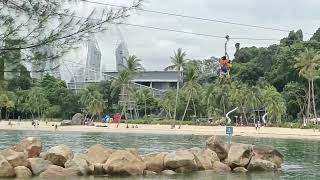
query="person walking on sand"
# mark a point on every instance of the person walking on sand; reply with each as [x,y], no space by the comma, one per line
[259,126]
[55,127]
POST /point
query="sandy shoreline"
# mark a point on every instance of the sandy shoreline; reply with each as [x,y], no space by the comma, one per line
[268,132]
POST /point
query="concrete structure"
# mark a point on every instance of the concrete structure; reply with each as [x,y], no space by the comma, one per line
[122,54]
[93,63]
[161,80]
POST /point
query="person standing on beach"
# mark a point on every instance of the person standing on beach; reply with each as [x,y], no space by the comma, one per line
[259,126]
[55,127]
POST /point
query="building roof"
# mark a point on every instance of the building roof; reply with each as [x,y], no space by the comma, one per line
[151,76]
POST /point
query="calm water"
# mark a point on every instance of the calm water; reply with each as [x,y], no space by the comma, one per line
[302,157]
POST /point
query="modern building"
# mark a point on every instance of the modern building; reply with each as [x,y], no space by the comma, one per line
[161,80]
[122,54]
[93,63]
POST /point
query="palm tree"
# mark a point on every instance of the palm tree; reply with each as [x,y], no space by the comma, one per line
[92,101]
[274,103]
[308,63]
[178,63]
[210,97]
[143,95]
[239,94]
[133,64]
[253,100]
[122,84]
[191,86]
[167,103]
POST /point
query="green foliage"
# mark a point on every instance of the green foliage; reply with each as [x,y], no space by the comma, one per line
[92,101]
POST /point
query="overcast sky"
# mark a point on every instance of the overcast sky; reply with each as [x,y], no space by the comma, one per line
[155,47]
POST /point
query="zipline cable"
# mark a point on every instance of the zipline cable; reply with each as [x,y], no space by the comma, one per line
[194,17]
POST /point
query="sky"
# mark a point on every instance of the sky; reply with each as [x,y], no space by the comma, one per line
[155,47]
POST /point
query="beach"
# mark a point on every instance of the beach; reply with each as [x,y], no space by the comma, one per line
[265,132]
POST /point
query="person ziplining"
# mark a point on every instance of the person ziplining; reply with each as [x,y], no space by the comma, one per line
[225,62]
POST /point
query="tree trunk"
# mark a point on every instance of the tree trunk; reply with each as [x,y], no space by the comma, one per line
[254,115]
[173,124]
[194,107]
[185,110]
[309,101]
[145,107]
[314,102]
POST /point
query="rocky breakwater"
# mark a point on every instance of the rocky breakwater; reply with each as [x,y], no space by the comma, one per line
[26,160]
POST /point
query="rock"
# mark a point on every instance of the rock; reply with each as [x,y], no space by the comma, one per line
[220,167]
[58,172]
[257,164]
[77,119]
[6,170]
[97,169]
[180,158]
[43,155]
[240,170]
[133,151]
[65,123]
[215,144]
[168,172]
[18,159]
[59,155]
[155,161]
[124,163]
[31,146]
[149,173]
[204,158]
[268,153]
[7,152]
[239,155]
[22,172]
[98,154]
[78,164]
[38,165]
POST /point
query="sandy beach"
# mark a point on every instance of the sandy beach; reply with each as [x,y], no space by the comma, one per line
[269,132]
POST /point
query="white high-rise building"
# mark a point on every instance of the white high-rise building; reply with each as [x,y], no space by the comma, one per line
[122,53]
[93,63]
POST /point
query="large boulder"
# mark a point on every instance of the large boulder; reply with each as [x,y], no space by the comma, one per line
[220,167]
[80,164]
[239,155]
[97,169]
[124,163]
[22,172]
[18,159]
[239,170]
[181,159]
[257,164]
[268,153]
[98,154]
[58,172]
[6,170]
[204,158]
[215,144]
[77,119]
[154,161]
[66,123]
[168,172]
[31,146]
[38,165]
[59,155]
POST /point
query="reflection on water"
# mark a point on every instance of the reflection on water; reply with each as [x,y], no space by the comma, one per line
[302,157]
